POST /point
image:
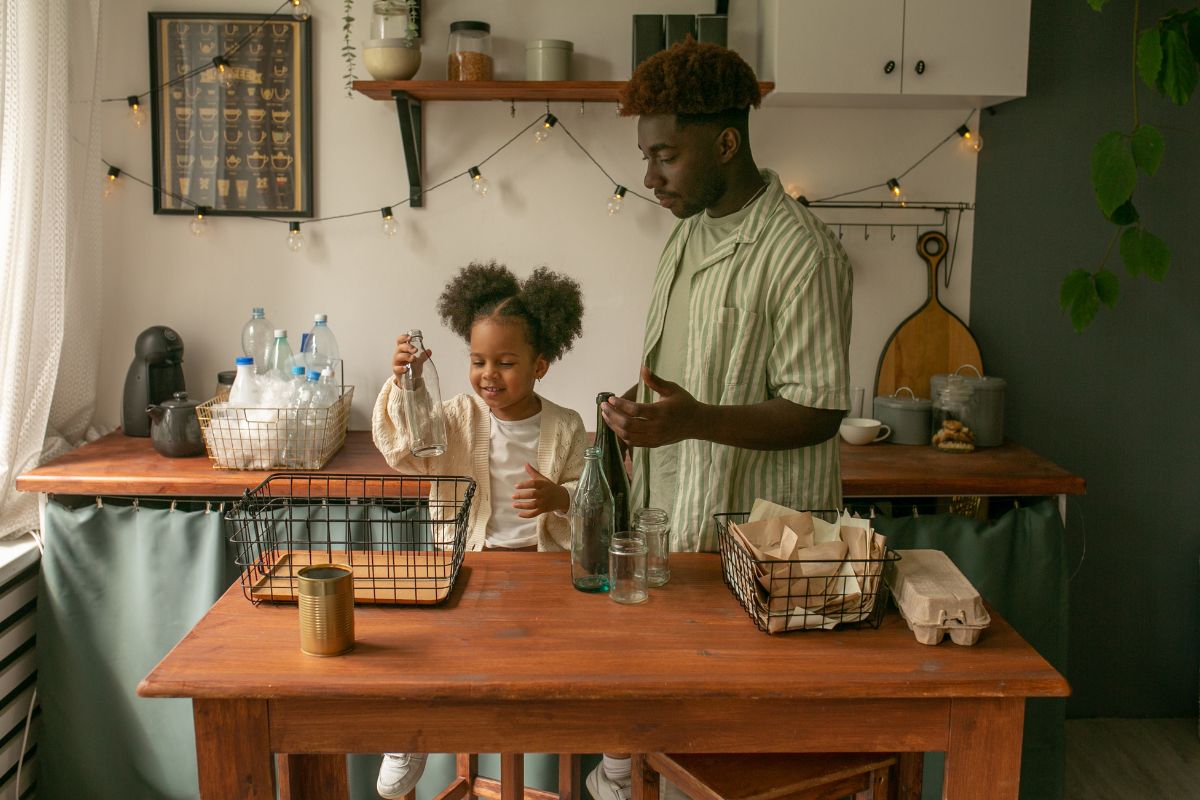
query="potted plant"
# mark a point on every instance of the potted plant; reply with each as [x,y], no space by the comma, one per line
[392,51]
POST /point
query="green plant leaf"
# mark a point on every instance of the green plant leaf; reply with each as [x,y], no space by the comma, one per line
[1079,299]
[1097,5]
[1107,287]
[1125,214]
[1149,56]
[1178,76]
[1147,145]
[1113,171]
[1143,252]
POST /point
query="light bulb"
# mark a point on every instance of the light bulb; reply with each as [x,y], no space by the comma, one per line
[794,191]
[110,181]
[897,191]
[543,132]
[224,71]
[478,182]
[616,201]
[137,114]
[300,10]
[971,140]
[199,221]
[390,226]
[295,239]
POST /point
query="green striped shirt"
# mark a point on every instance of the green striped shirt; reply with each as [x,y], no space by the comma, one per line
[768,316]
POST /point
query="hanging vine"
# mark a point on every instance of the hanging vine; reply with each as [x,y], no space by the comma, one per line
[348,52]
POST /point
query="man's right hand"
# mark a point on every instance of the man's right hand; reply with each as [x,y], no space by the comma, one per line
[406,355]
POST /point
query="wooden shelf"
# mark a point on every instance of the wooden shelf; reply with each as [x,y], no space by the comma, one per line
[515,91]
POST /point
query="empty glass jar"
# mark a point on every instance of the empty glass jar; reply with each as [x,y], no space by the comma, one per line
[652,526]
[627,570]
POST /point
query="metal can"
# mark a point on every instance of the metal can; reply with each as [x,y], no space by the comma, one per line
[326,600]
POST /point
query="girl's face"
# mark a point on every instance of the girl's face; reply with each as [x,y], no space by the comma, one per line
[504,368]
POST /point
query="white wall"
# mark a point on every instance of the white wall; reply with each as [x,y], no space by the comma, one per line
[547,206]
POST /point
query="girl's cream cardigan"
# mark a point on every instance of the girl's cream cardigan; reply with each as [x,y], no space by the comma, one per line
[468,428]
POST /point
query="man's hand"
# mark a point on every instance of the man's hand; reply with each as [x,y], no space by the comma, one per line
[539,495]
[674,417]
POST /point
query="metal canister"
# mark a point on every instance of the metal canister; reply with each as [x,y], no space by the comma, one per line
[908,417]
[326,609]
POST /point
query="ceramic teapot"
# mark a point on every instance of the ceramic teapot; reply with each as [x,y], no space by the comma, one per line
[174,427]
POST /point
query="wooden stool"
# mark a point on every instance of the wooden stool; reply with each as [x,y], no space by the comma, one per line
[775,776]
[467,783]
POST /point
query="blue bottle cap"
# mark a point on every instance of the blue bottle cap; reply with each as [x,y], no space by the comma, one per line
[244,360]
[313,375]
[297,370]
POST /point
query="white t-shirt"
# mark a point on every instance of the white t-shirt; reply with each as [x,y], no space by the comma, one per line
[513,445]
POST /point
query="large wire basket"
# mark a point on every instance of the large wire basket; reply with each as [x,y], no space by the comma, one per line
[274,438]
[402,537]
[804,594]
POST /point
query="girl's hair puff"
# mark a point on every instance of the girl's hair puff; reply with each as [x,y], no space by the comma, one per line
[548,303]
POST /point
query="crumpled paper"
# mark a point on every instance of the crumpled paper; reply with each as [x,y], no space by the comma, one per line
[811,573]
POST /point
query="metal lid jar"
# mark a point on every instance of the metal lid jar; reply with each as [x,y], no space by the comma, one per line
[469,51]
[952,409]
[548,60]
[908,417]
[986,417]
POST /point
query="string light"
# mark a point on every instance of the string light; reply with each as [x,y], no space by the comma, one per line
[543,133]
[972,140]
[295,239]
[300,10]
[614,202]
[478,182]
[110,180]
[200,221]
[136,113]
[897,191]
[224,71]
[390,226]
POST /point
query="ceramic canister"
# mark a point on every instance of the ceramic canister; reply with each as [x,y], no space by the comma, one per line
[907,415]
[986,414]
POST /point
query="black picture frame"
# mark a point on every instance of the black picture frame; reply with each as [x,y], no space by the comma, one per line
[242,149]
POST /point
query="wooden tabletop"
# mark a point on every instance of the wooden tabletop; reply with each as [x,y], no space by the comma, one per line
[544,640]
[127,465]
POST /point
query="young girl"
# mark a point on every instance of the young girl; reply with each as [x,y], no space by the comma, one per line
[524,452]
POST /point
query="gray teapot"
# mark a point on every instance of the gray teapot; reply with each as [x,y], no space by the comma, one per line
[174,427]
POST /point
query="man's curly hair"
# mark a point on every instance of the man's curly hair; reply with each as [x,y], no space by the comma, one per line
[691,79]
[550,304]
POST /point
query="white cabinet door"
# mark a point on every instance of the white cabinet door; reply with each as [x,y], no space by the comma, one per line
[826,47]
[965,47]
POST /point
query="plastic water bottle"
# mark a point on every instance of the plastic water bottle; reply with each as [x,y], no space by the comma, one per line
[311,427]
[327,389]
[320,348]
[422,401]
[296,440]
[244,391]
[256,338]
[279,357]
[295,384]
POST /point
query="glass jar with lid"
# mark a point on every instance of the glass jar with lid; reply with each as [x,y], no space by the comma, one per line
[394,19]
[469,56]
[952,411]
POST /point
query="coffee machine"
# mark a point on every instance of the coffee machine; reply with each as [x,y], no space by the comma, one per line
[155,375]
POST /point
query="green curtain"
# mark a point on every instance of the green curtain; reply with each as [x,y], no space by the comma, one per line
[1017,564]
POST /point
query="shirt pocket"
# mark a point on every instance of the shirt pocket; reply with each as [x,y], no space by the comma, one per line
[731,347]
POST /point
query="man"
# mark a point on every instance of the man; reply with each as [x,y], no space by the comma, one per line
[748,332]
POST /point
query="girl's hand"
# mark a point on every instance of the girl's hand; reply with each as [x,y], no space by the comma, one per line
[539,495]
[406,355]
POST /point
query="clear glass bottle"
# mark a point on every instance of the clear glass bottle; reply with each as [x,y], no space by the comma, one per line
[591,526]
[469,51]
[422,401]
[612,459]
[652,526]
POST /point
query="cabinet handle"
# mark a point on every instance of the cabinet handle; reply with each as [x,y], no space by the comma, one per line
[920,67]
[889,68]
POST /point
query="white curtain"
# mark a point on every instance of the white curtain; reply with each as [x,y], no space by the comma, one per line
[50,176]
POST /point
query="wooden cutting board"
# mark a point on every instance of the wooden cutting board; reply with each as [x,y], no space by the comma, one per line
[931,340]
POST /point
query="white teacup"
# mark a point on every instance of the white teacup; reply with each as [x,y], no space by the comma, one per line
[857,430]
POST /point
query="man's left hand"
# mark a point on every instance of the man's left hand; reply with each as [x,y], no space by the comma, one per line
[673,418]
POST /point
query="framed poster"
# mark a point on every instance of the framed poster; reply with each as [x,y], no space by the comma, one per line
[238,142]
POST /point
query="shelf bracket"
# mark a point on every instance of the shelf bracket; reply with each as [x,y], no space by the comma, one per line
[408,109]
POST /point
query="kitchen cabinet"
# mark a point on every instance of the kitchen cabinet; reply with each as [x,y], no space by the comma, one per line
[903,53]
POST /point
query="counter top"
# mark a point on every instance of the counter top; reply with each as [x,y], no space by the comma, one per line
[127,465]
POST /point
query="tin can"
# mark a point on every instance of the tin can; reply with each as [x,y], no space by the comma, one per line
[326,600]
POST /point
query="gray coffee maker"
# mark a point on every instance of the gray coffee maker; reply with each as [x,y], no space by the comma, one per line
[155,375]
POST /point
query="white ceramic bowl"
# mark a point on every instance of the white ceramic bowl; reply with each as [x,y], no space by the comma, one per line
[391,59]
[857,430]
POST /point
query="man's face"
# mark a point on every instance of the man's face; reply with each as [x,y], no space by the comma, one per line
[683,167]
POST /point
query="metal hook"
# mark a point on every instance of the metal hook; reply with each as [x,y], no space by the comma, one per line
[866,232]
[839,233]
[208,506]
[581,108]
[99,502]
[892,232]
[135,505]
[512,109]
[172,509]
[547,106]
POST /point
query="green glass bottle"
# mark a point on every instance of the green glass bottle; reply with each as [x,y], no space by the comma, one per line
[612,460]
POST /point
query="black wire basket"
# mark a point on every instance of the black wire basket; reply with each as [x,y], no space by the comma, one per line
[403,537]
[804,594]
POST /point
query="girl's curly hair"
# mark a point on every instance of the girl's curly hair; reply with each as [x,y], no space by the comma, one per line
[550,304]
[692,79]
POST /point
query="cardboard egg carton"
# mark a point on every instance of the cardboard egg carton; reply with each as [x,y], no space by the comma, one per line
[935,598]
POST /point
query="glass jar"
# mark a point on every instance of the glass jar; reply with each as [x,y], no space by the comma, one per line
[469,56]
[652,526]
[393,19]
[952,410]
[627,570]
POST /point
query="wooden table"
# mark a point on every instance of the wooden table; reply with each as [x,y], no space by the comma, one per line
[518,661]
[126,465]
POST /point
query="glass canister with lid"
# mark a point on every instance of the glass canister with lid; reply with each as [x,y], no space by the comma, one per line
[986,416]
[952,410]
[469,51]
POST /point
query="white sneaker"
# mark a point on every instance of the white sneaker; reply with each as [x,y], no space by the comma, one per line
[399,773]
[603,787]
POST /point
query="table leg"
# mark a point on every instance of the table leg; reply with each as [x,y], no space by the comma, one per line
[645,778]
[569,777]
[983,760]
[233,749]
[512,776]
[312,777]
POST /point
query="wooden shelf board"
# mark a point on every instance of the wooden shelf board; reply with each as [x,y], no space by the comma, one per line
[558,91]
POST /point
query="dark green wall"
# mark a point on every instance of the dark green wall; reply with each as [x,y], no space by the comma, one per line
[1116,404]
